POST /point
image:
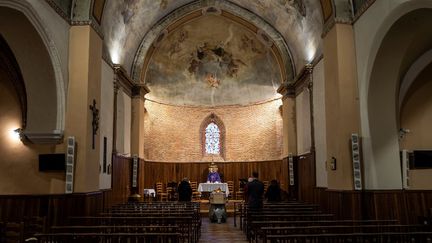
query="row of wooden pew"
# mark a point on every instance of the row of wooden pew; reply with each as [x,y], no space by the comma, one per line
[159,222]
[290,222]
[14,232]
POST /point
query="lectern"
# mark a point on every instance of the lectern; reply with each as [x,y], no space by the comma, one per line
[217,211]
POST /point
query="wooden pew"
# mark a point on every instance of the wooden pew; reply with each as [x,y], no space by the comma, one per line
[263,232]
[186,224]
[108,237]
[400,237]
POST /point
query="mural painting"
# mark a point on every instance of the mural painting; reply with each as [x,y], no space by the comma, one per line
[212,61]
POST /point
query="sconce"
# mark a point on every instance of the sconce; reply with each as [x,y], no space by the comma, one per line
[18,134]
[403,132]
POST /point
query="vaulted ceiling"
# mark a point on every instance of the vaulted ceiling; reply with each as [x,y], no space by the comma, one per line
[212,52]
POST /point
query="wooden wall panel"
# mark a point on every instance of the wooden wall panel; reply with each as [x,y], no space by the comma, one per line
[167,172]
[120,184]
[306,176]
[404,205]
[57,207]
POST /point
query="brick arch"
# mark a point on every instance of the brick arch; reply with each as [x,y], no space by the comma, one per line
[215,119]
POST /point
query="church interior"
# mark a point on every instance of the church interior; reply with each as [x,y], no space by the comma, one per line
[104,101]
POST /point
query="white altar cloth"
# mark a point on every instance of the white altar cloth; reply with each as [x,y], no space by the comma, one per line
[209,187]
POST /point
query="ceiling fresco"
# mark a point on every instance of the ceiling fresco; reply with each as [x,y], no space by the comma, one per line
[126,22]
[212,61]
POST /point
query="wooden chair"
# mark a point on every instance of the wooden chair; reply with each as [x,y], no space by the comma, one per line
[231,189]
[239,195]
[266,184]
[196,195]
[161,194]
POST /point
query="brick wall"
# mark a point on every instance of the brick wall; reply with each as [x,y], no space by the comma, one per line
[252,133]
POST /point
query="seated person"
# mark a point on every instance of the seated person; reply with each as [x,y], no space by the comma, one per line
[185,190]
[213,175]
[273,193]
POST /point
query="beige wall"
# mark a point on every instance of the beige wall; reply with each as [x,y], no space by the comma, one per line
[106,120]
[370,30]
[319,110]
[36,69]
[303,122]
[341,103]
[124,115]
[19,166]
[253,133]
[84,86]
[416,115]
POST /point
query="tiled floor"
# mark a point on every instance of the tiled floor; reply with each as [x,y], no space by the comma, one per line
[221,233]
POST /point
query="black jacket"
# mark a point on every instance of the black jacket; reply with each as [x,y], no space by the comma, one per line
[254,194]
[185,191]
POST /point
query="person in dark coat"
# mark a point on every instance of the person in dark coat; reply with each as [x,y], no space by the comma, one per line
[273,193]
[185,190]
[254,192]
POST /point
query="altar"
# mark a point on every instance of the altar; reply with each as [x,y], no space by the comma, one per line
[209,187]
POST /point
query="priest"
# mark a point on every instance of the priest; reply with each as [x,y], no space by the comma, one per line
[213,176]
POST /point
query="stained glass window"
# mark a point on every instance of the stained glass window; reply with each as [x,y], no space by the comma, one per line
[212,139]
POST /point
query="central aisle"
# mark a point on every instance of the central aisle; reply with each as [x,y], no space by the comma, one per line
[225,232]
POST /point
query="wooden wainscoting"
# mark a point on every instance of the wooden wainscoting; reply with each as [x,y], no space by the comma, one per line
[404,205]
[231,171]
[58,207]
[55,207]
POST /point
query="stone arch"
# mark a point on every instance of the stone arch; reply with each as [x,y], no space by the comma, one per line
[197,9]
[51,102]
[391,54]
[215,119]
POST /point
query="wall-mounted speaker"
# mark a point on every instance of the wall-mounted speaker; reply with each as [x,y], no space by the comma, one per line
[291,170]
[355,151]
[70,164]
[405,169]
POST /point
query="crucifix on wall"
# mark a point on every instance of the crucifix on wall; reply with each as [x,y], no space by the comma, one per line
[95,121]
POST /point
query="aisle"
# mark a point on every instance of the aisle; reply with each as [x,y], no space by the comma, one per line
[226,232]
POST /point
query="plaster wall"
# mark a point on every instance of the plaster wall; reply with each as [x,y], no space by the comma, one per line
[303,122]
[124,115]
[319,110]
[19,163]
[416,115]
[106,122]
[369,31]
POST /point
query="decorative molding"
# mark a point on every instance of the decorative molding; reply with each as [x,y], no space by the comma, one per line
[59,11]
[139,91]
[328,26]
[362,10]
[54,137]
[131,88]
[303,80]
[123,80]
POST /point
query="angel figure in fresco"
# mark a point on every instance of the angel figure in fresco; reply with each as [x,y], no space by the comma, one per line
[212,80]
